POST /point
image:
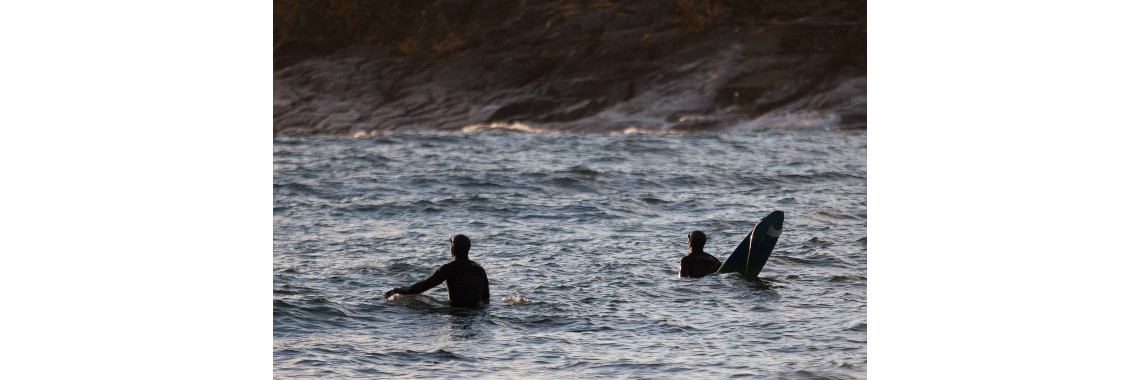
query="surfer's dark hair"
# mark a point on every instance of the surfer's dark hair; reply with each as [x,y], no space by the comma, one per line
[460,245]
[697,239]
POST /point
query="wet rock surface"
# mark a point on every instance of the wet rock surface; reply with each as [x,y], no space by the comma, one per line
[351,67]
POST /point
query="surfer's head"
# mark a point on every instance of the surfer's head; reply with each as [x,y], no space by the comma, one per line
[696,240]
[460,245]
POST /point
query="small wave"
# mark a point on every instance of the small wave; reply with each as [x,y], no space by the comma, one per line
[515,299]
[804,261]
[281,304]
[446,355]
[400,267]
[476,183]
[841,278]
[793,178]
[574,364]
[515,126]
[331,309]
[582,170]
[295,188]
[786,201]
[835,214]
[567,182]
[366,208]
[591,329]
[816,242]
[410,355]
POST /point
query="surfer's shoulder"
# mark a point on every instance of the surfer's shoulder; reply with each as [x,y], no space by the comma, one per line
[463,263]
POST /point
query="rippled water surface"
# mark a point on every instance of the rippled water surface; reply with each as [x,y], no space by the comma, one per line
[580,235]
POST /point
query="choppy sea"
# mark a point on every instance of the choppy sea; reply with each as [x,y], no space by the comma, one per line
[580,235]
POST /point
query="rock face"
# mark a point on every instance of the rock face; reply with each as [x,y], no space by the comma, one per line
[350,67]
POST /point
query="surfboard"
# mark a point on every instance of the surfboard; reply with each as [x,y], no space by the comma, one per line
[749,257]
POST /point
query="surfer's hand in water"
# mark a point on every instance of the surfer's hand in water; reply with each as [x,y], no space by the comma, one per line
[390,293]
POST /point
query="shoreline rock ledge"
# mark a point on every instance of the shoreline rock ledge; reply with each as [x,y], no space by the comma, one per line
[352,67]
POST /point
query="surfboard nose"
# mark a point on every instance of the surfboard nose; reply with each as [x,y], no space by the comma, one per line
[777,218]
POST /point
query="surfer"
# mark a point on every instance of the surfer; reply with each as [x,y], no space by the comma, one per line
[466,281]
[698,263]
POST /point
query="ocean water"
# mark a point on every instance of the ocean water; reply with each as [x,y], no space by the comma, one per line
[580,235]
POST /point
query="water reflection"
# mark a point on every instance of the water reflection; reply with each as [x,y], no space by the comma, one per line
[461,323]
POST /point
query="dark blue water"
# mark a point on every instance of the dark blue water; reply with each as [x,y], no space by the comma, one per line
[580,235]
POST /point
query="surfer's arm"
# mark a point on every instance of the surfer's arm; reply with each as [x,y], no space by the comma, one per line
[684,269]
[422,286]
[486,290]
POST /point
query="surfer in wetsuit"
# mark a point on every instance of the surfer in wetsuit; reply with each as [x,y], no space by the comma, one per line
[698,263]
[466,281]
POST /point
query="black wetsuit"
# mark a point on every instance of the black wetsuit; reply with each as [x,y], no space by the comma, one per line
[699,264]
[466,283]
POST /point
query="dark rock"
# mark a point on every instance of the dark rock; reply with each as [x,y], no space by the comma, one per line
[343,66]
[523,110]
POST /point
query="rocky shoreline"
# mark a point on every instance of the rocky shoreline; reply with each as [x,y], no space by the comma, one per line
[351,67]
